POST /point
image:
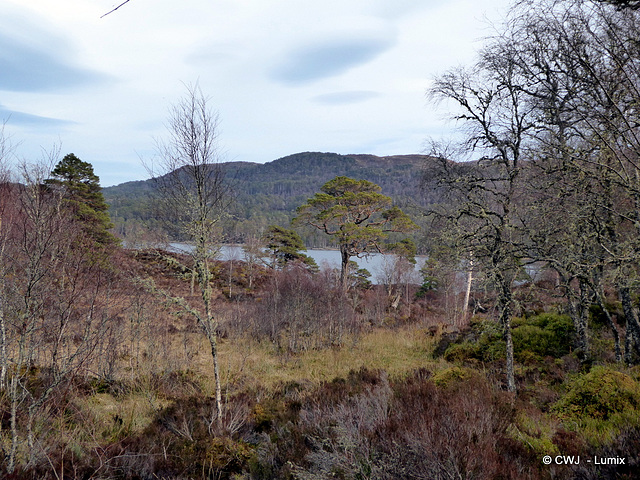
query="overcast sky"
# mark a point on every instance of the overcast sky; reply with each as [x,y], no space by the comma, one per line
[286,76]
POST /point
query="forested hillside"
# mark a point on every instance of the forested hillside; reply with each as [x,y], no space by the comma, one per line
[269,193]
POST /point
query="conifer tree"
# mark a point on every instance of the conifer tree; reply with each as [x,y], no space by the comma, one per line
[286,246]
[356,215]
[82,192]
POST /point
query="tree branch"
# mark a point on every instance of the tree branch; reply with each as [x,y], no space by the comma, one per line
[111,11]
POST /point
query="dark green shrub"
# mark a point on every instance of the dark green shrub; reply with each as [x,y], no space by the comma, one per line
[548,334]
[495,349]
[598,319]
[484,343]
[560,325]
[459,352]
[530,338]
[534,338]
[600,406]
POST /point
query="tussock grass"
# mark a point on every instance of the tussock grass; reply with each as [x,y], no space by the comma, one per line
[111,418]
[246,363]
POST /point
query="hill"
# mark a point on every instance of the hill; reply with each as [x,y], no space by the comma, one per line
[269,193]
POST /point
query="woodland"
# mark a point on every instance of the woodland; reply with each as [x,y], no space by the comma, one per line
[268,194]
[515,355]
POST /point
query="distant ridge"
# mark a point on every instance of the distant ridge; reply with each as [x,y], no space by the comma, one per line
[269,193]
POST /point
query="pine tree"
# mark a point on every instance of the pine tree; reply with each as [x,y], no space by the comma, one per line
[356,215]
[286,246]
[82,192]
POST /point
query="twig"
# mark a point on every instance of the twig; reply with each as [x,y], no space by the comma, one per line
[111,11]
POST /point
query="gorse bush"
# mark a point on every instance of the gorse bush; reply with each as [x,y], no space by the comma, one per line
[600,405]
[600,394]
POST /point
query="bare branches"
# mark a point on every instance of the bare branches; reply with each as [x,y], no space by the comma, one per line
[194,197]
[116,8]
[193,193]
[552,106]
[493,110]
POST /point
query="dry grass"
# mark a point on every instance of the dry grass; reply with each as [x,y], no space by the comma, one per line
[247,364]
[109,416]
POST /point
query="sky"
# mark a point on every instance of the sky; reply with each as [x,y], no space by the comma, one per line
[285,76]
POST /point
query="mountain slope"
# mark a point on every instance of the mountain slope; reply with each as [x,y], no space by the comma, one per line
[269,193]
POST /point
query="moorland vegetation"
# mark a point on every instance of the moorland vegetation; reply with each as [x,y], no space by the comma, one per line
[520,343]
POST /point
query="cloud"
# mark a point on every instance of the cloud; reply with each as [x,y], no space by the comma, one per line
[13,117]
[328,58]
[32,66]
[213,54]
[345,98]
[399,8]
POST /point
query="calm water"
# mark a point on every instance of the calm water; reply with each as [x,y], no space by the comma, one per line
[376,263]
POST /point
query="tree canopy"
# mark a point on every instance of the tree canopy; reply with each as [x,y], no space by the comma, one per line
[82,191]
[286,246]
[356,214]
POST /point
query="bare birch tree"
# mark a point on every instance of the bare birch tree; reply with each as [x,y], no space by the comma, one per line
[193,198]
[54,308]
[6,150]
